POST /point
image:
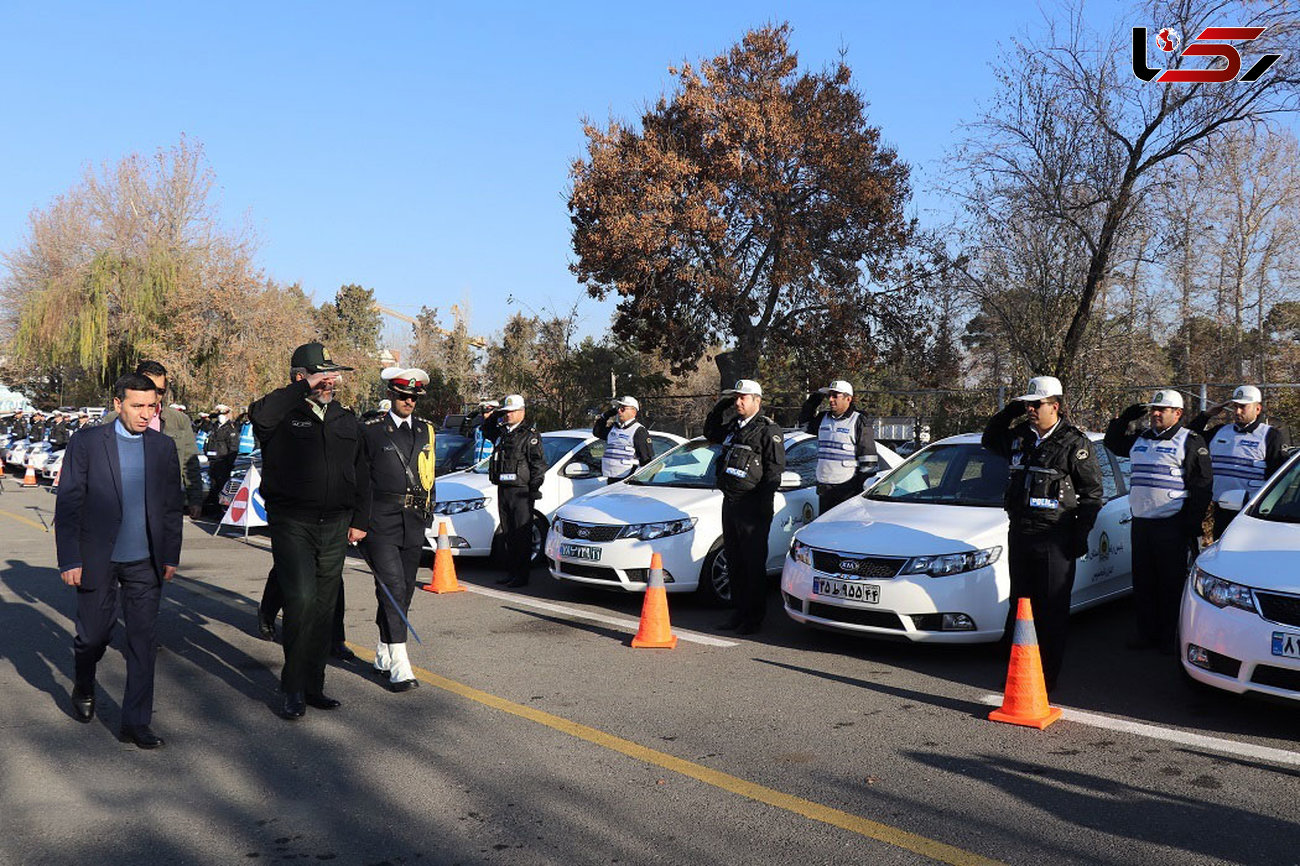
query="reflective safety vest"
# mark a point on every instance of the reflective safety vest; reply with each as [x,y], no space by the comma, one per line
[1238,459]
[620,451]
[1156,488]
[246,442]
[482,445]
[837,449]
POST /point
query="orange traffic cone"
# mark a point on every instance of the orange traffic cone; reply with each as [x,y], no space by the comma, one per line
[1025,699]
[444,571]
[2,469]
[29,480]
[655,631]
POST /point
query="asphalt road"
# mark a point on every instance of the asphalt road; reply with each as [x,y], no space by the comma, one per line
[539,736]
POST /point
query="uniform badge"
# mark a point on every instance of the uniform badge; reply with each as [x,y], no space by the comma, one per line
[533,441]
[776,437]
[1081,454]
[1202,451]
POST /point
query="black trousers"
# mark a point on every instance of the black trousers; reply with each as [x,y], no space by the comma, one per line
[219,469]
[395,569]
[515,508]
[746,522]
[1161,555]
[308,558]
[1222,517]
[141,593]
[1042,572]
[831,495]
[273,603]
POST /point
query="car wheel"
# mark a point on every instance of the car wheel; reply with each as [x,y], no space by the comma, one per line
[715,580]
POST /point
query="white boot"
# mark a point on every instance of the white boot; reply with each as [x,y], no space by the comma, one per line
[400,675]
[384,657]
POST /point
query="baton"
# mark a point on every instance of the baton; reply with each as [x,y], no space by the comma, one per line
[398,608]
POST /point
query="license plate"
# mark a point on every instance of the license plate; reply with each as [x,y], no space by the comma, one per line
[580,551]
[850,589]
[1286,645]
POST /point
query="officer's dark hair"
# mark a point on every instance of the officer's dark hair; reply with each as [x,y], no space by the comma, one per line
[150,368]
[131,382]
[294,371]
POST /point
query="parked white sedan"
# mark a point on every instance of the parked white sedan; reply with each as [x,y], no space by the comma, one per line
[921,556]
[1239,627]
[467,499]
[671,508]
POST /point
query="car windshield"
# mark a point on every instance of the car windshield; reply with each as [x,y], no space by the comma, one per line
[961,474]
[448,445]
[1281,502]
[692,465]
[553,448]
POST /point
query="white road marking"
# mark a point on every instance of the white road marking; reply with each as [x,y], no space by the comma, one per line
[628,625]
[1172,735]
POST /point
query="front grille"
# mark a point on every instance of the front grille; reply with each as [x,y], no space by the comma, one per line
[830,562]
[1278,678]
[1279,608]
[232,486]
[594,532]
[855,615]
[592,572]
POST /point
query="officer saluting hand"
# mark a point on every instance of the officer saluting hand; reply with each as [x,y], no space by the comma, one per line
[1053,496]
[516,467]
[748,474]
[399,451]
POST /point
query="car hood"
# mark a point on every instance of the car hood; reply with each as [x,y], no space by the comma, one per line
[905,529]
[1259,553]
[464,485]
[626,503]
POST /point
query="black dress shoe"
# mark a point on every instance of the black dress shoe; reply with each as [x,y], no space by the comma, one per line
[515,583]
[266,630]
[403,685]
[83,706]
[341,653]
[502,581]
[323,702]
[295,705]
[748,628]
[141,735]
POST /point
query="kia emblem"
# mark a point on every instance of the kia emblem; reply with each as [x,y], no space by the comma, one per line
[584,532]
[848,565]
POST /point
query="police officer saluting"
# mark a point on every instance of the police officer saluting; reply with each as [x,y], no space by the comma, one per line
[1168,493]
[1053,496]
[314,482]
[1243,453]
[846,448]
[516,467]
[627,442]
[748,474]
[399,452]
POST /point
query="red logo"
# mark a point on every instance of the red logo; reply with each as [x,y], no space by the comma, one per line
[240,505]
[1218,73]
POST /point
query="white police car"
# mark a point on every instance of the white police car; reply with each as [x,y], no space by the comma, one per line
[672,508]
[466,500]
[1239,625]
[922,555]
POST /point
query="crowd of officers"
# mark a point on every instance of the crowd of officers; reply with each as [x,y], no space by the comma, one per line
[331,479]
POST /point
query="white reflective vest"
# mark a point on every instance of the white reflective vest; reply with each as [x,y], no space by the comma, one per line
[1238,459]
[837,449]
[1156,488]
[620,451]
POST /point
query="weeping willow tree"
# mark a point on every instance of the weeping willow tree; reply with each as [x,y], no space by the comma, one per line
[102,319]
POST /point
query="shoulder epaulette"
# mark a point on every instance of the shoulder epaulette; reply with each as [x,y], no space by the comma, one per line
[377,419]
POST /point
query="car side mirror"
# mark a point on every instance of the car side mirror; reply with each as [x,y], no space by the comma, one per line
[791,481]
[1234,500]
[578,469]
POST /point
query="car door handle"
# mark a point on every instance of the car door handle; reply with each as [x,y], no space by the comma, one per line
[1128,518]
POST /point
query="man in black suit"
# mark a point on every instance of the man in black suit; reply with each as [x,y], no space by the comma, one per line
[117,525]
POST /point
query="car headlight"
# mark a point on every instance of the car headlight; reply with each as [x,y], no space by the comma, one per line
[459,506]
[800,552]
[949,564]
[1222,593]
[648,531]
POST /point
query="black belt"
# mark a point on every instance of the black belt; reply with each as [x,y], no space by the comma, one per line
[409,500]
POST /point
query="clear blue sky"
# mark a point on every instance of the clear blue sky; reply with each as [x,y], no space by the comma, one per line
[423,150]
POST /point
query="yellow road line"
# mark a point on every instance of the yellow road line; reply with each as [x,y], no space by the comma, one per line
[21,519]
[727,782]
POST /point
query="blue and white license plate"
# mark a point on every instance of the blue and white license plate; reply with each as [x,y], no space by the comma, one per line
[580,551]
[850,589]
[1286,644]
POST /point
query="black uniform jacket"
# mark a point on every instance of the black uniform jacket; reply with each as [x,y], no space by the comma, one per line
[761,434]
[391,521]
[1198,473]
[223,441]
[1068,495]
[517,458]
[310,468]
